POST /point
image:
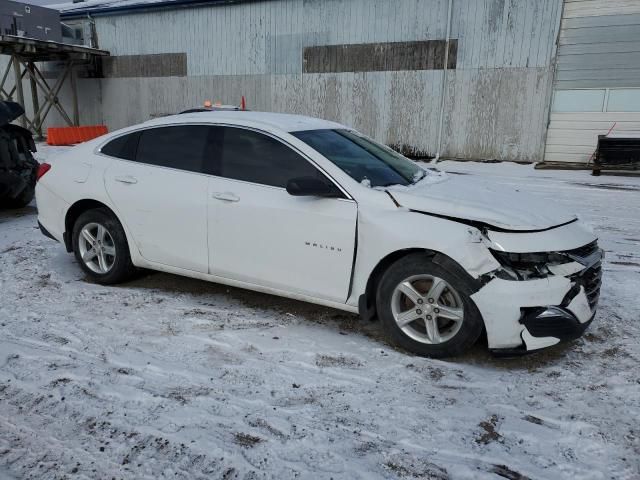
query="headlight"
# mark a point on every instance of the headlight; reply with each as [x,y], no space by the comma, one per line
[523,266]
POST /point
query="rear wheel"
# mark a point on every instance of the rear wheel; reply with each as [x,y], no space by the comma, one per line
[426,307]
[100,247]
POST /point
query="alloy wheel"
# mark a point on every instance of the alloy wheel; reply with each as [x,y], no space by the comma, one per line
[427,309]
[97,248]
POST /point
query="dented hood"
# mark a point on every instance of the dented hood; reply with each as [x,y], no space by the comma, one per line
[466,197]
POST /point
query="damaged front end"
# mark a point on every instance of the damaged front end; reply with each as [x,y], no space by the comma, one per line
[535,300]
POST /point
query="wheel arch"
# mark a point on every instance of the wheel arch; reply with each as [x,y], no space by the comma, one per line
[367,303]
[77,209]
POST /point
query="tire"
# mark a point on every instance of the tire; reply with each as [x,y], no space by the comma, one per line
[404,292]
[115,266]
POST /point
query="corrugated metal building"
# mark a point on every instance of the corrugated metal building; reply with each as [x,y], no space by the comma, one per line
[378,65]
[524,80]
[32,21]
[597,84]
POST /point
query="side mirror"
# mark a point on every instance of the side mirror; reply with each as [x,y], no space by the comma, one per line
[311,187]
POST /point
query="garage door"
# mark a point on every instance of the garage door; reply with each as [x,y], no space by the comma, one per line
[597,82]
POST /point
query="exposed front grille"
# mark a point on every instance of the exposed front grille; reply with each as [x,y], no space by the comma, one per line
[584,251]
[591,277]
[591,280]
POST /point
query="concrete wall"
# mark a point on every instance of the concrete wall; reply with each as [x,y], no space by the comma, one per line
[496,98]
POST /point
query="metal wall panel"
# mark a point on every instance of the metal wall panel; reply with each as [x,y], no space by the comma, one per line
[150,65]
[498,116]
[506,33]
[380,57]
[496,100]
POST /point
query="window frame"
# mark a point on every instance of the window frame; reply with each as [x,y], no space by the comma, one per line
[613,91]
[605,103]
[159,127]
[573,91]
[139,131]
[286,144]
[98,151]
[374,143]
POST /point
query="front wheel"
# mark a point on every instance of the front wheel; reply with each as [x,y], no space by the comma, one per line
[100,247]
[426,307]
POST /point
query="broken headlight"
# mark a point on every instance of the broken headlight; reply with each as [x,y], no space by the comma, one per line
[526,266]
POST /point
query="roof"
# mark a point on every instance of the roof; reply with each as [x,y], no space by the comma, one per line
[41,3]
[114,7]
[272,121]
[44,50]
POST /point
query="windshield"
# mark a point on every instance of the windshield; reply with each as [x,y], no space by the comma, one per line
[362,159]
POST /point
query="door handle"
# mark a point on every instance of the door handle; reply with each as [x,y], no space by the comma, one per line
[226,196]
[126,179]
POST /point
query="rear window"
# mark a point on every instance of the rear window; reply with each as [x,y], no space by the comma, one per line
[181,147]
[123,147]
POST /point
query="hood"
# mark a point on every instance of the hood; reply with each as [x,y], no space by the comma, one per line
[468,197]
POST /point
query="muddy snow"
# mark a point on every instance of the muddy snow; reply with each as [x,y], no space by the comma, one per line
[167,377]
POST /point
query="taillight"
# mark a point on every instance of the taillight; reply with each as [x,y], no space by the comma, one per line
[42,169]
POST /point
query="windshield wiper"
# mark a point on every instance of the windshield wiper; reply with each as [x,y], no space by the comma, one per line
[394,183]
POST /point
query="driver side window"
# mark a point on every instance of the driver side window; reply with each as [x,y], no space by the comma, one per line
[253,157]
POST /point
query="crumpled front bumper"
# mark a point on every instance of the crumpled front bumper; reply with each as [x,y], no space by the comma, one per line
[523,316]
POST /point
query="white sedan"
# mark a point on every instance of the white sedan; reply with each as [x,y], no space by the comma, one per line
[313,210]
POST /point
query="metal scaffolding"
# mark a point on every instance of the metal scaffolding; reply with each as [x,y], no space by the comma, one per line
[24,54]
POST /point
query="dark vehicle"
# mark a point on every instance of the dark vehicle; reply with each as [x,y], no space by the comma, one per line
[17,166]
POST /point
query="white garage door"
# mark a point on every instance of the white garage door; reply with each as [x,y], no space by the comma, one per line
[578,116]
[597,82]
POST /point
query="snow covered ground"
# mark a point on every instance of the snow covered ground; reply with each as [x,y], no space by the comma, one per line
[167,377]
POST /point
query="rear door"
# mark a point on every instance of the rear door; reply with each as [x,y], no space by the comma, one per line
[160,192]
[260,234]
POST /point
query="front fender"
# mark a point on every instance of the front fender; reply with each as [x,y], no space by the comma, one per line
[381,233]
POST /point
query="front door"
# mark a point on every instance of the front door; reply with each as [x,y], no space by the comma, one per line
[260,234]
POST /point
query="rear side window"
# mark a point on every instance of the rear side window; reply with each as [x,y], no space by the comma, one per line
[181,147]
[123,147]
[257,158]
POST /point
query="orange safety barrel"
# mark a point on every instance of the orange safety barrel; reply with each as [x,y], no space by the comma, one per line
[73,135]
